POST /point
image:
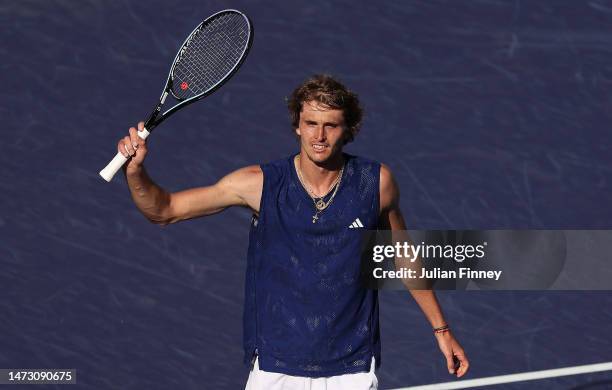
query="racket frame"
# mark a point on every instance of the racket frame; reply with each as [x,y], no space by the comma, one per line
[156,117]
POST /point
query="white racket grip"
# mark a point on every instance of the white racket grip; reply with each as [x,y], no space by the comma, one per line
[117,162]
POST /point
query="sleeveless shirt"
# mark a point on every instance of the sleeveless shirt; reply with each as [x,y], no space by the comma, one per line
[306,312]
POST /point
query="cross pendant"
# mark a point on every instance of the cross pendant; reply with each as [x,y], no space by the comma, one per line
[314,218]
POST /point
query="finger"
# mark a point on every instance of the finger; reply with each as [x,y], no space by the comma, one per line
[449,363]
[461,363]
[464,365]
[141,126]
[134,138]
[121,149]
[127,147]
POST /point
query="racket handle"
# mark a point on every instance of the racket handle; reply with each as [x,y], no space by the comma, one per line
[117,162]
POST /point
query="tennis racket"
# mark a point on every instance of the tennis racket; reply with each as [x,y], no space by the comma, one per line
[210,55]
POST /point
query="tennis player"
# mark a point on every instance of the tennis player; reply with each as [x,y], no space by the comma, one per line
[308,322]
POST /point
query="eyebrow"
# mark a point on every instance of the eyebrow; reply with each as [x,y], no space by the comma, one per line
[311,121]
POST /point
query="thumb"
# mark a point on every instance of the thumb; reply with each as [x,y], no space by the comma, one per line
[450,364]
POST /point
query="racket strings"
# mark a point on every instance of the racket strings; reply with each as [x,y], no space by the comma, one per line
[211,55]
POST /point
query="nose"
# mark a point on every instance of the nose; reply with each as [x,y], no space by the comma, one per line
[320,133]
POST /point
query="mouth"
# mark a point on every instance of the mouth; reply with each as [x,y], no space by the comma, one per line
[319,147]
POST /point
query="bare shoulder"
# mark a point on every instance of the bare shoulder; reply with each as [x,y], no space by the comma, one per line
[246,184]
[242,187]
[248,173]
[389,191]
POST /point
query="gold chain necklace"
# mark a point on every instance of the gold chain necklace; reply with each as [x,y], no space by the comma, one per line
[318,201]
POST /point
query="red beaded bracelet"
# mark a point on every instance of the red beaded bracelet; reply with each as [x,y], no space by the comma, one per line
[442,329]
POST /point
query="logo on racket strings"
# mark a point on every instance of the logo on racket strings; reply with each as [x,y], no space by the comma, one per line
[184,85]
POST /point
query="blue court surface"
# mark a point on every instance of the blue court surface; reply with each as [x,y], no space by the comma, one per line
[491,114]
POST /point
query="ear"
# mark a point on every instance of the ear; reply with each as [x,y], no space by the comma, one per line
[298,132]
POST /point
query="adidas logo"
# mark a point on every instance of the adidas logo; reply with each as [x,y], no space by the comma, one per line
[356,224]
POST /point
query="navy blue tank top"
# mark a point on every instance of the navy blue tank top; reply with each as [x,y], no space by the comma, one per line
[306,312]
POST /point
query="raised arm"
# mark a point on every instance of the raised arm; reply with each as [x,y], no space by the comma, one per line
[391,219]
[240,188]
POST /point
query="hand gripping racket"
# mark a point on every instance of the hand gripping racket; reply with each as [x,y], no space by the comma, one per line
[210,55]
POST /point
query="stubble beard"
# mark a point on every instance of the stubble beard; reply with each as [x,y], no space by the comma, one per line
[324,160]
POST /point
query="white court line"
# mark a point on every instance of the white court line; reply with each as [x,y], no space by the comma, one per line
[525,376]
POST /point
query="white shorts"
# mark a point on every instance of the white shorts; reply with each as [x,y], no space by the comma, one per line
[264,380]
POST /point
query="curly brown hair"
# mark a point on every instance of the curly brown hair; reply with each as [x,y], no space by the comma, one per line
[331,93]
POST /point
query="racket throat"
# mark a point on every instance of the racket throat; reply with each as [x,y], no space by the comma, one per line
[151,121]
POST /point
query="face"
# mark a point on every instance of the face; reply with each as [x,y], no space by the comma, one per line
[321,131]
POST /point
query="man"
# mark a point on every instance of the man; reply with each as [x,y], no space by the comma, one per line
[308,322]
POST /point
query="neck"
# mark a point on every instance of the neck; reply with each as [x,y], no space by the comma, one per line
[319,176]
